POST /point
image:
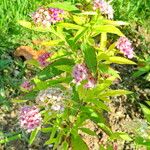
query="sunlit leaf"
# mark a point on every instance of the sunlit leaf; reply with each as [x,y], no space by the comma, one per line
[106,29]
[120,60]
[77,143]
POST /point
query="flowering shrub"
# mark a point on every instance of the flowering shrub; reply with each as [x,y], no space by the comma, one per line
[72,88]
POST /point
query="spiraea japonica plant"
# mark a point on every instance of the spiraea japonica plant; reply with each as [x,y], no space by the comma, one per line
[73,79]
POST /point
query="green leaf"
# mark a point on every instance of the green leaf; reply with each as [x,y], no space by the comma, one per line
[52,71]
[52,43]
[32,62]
[45,84]
[80,20]
[105,128]
[88,131]
[77,143]
[65,68]
[120,135]
[31,26]
[19,101]
[141,71]
[115,23]
[115,93]
[49,72]
[104,68]
[8,138]
[80,34]
[142,141]
[33,135]
[98,103]
[51,139]
[46,130]
[120,60]
[64,6]
[90,57]
[146,112]
[70,26]
[106,29]
[103,41]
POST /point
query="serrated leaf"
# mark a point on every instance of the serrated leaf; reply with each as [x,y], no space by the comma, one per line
[120,60]
[106,29]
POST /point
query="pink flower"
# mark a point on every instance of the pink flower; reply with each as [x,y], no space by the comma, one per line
[47,16]
[29,118]
[27,85]
[104,7]
[43,59]
[125,46]
[81,73]
[56,15]
[91,83]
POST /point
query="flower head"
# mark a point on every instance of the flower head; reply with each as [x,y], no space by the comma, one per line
[81,73]
[57,15]
[30,118]
[47,16]
[43,59]
[53,97]
[125,46]
[104,7]
[27,85]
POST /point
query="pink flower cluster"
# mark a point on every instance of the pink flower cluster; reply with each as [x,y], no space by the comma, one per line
[30,118]
[27,85]
[104,7]
[125,46]
[47,16]
[43,59]
[81,73]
